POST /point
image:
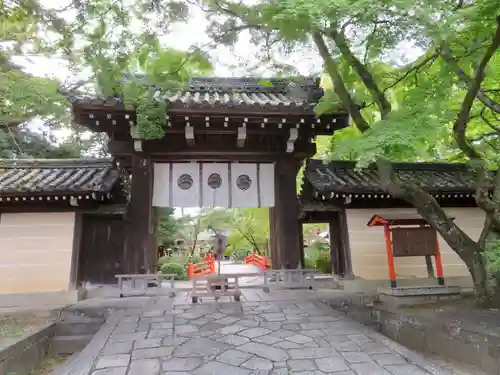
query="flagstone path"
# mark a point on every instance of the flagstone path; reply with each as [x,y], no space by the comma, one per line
[273,337]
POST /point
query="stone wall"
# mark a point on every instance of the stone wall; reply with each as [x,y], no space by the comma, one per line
[26,354]
[447,339]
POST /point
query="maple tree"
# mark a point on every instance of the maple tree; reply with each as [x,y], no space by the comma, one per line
[443,105]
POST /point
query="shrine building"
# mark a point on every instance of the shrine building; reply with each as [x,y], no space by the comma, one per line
[228,142]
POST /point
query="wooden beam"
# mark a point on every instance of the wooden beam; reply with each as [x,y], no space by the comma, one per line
[286,212]
[275,255]
[140,234]
[177,146]
[189,135]
[336,248]
[242,137]
[109,121]
[75,253]
[346,246]
[290,144]
[301,245]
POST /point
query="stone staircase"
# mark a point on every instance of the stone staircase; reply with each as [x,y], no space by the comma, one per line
[74,329]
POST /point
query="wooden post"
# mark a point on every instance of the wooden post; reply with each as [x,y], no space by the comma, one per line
[286,212]
[140,234]
[439,264]
[275,256]
[430,267]
[336,245]
[301,246]
[390,258]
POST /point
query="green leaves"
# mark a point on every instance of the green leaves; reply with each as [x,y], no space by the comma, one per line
[249,227]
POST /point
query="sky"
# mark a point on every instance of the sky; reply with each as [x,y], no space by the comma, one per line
[184,35]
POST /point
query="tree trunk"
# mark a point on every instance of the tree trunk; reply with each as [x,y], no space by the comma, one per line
[428,208]
[488,263]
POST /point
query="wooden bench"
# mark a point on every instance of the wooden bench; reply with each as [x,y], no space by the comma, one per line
[289,279]
[142,281]
[220,285]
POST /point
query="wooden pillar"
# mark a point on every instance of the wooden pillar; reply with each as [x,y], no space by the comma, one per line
[301,245]
[336,246]
[140,244]
[275,255]
[439,265]
[390,258]
[286,212]
[345,252]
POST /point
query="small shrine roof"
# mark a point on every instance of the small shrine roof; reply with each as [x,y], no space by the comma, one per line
[83,178]
[343,177]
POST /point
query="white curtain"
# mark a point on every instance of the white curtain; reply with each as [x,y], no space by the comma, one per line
[215,184]
[238,185]
[266,185]
[161,185]
[244,185]
[185,185]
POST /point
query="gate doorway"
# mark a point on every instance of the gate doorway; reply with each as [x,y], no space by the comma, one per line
[338,239]
[246,124]
[102,254]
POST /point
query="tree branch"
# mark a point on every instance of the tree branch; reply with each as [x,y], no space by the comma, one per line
[488,122]
[414,68]
[365,75]
[460,125]
[338,83]
[447,56]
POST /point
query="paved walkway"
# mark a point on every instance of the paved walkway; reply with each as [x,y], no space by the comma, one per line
[266,335]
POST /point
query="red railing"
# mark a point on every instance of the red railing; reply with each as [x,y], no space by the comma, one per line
[262,262]
[200,269]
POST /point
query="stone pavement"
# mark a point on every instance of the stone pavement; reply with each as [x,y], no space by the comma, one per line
[273,337]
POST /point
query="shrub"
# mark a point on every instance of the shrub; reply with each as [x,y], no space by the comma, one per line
[239,255]
[162,260]
[324,263]
[177,269]
[318,257]
[194,259]
[310,263]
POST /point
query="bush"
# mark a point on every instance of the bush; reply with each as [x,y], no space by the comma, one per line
[324,263]
[310,263]
[239,255]
[318,257]
[194,259]
[177,269]
[162,260]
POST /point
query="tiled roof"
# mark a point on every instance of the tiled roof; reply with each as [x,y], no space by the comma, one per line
[234,93]
[245,92]
[342,177]
[56,177]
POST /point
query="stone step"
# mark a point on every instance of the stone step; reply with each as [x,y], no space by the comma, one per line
[84,326]
[69,344]
[77,314]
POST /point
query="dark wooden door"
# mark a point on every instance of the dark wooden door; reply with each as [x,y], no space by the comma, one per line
[102,251]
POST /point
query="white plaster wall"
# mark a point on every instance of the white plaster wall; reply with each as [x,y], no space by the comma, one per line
[368,250]
[35,251]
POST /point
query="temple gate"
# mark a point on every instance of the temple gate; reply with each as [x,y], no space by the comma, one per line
[228,142]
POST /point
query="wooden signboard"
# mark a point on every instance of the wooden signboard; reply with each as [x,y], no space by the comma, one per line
[408,242]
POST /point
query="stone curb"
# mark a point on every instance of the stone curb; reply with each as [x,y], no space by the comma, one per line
[81,363]
[17,347]
[411,356]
